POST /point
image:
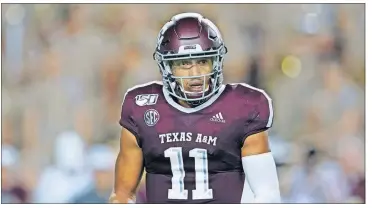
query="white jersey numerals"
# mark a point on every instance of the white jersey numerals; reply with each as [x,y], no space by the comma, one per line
[178,191]
[202,190]
[178,187]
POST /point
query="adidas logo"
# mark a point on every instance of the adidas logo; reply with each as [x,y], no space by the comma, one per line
[218,118]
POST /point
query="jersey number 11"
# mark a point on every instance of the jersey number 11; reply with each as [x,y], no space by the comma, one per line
[178,191]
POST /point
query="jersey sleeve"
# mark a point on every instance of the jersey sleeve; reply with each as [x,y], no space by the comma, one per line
[260,117]
[127,119]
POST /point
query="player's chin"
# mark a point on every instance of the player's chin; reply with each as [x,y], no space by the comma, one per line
[194,93]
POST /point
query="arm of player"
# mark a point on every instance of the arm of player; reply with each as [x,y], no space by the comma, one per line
[128,169]
[259,168]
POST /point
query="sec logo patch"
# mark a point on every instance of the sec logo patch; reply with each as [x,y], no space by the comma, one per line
[151,117]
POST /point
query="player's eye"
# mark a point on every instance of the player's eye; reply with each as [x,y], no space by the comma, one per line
[186,63]
[179,63]
[183,63]
[203,61]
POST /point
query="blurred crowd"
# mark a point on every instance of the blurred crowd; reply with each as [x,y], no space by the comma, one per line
[65,69]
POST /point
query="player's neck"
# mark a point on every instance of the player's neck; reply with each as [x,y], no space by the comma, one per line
[184,103]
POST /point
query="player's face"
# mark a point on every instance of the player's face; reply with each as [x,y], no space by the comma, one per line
[193,67]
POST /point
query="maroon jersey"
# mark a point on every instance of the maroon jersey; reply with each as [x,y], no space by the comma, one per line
[193,155]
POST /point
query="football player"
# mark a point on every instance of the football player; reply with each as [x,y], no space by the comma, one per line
[199,140]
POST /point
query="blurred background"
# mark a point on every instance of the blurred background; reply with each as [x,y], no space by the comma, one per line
[65,69]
